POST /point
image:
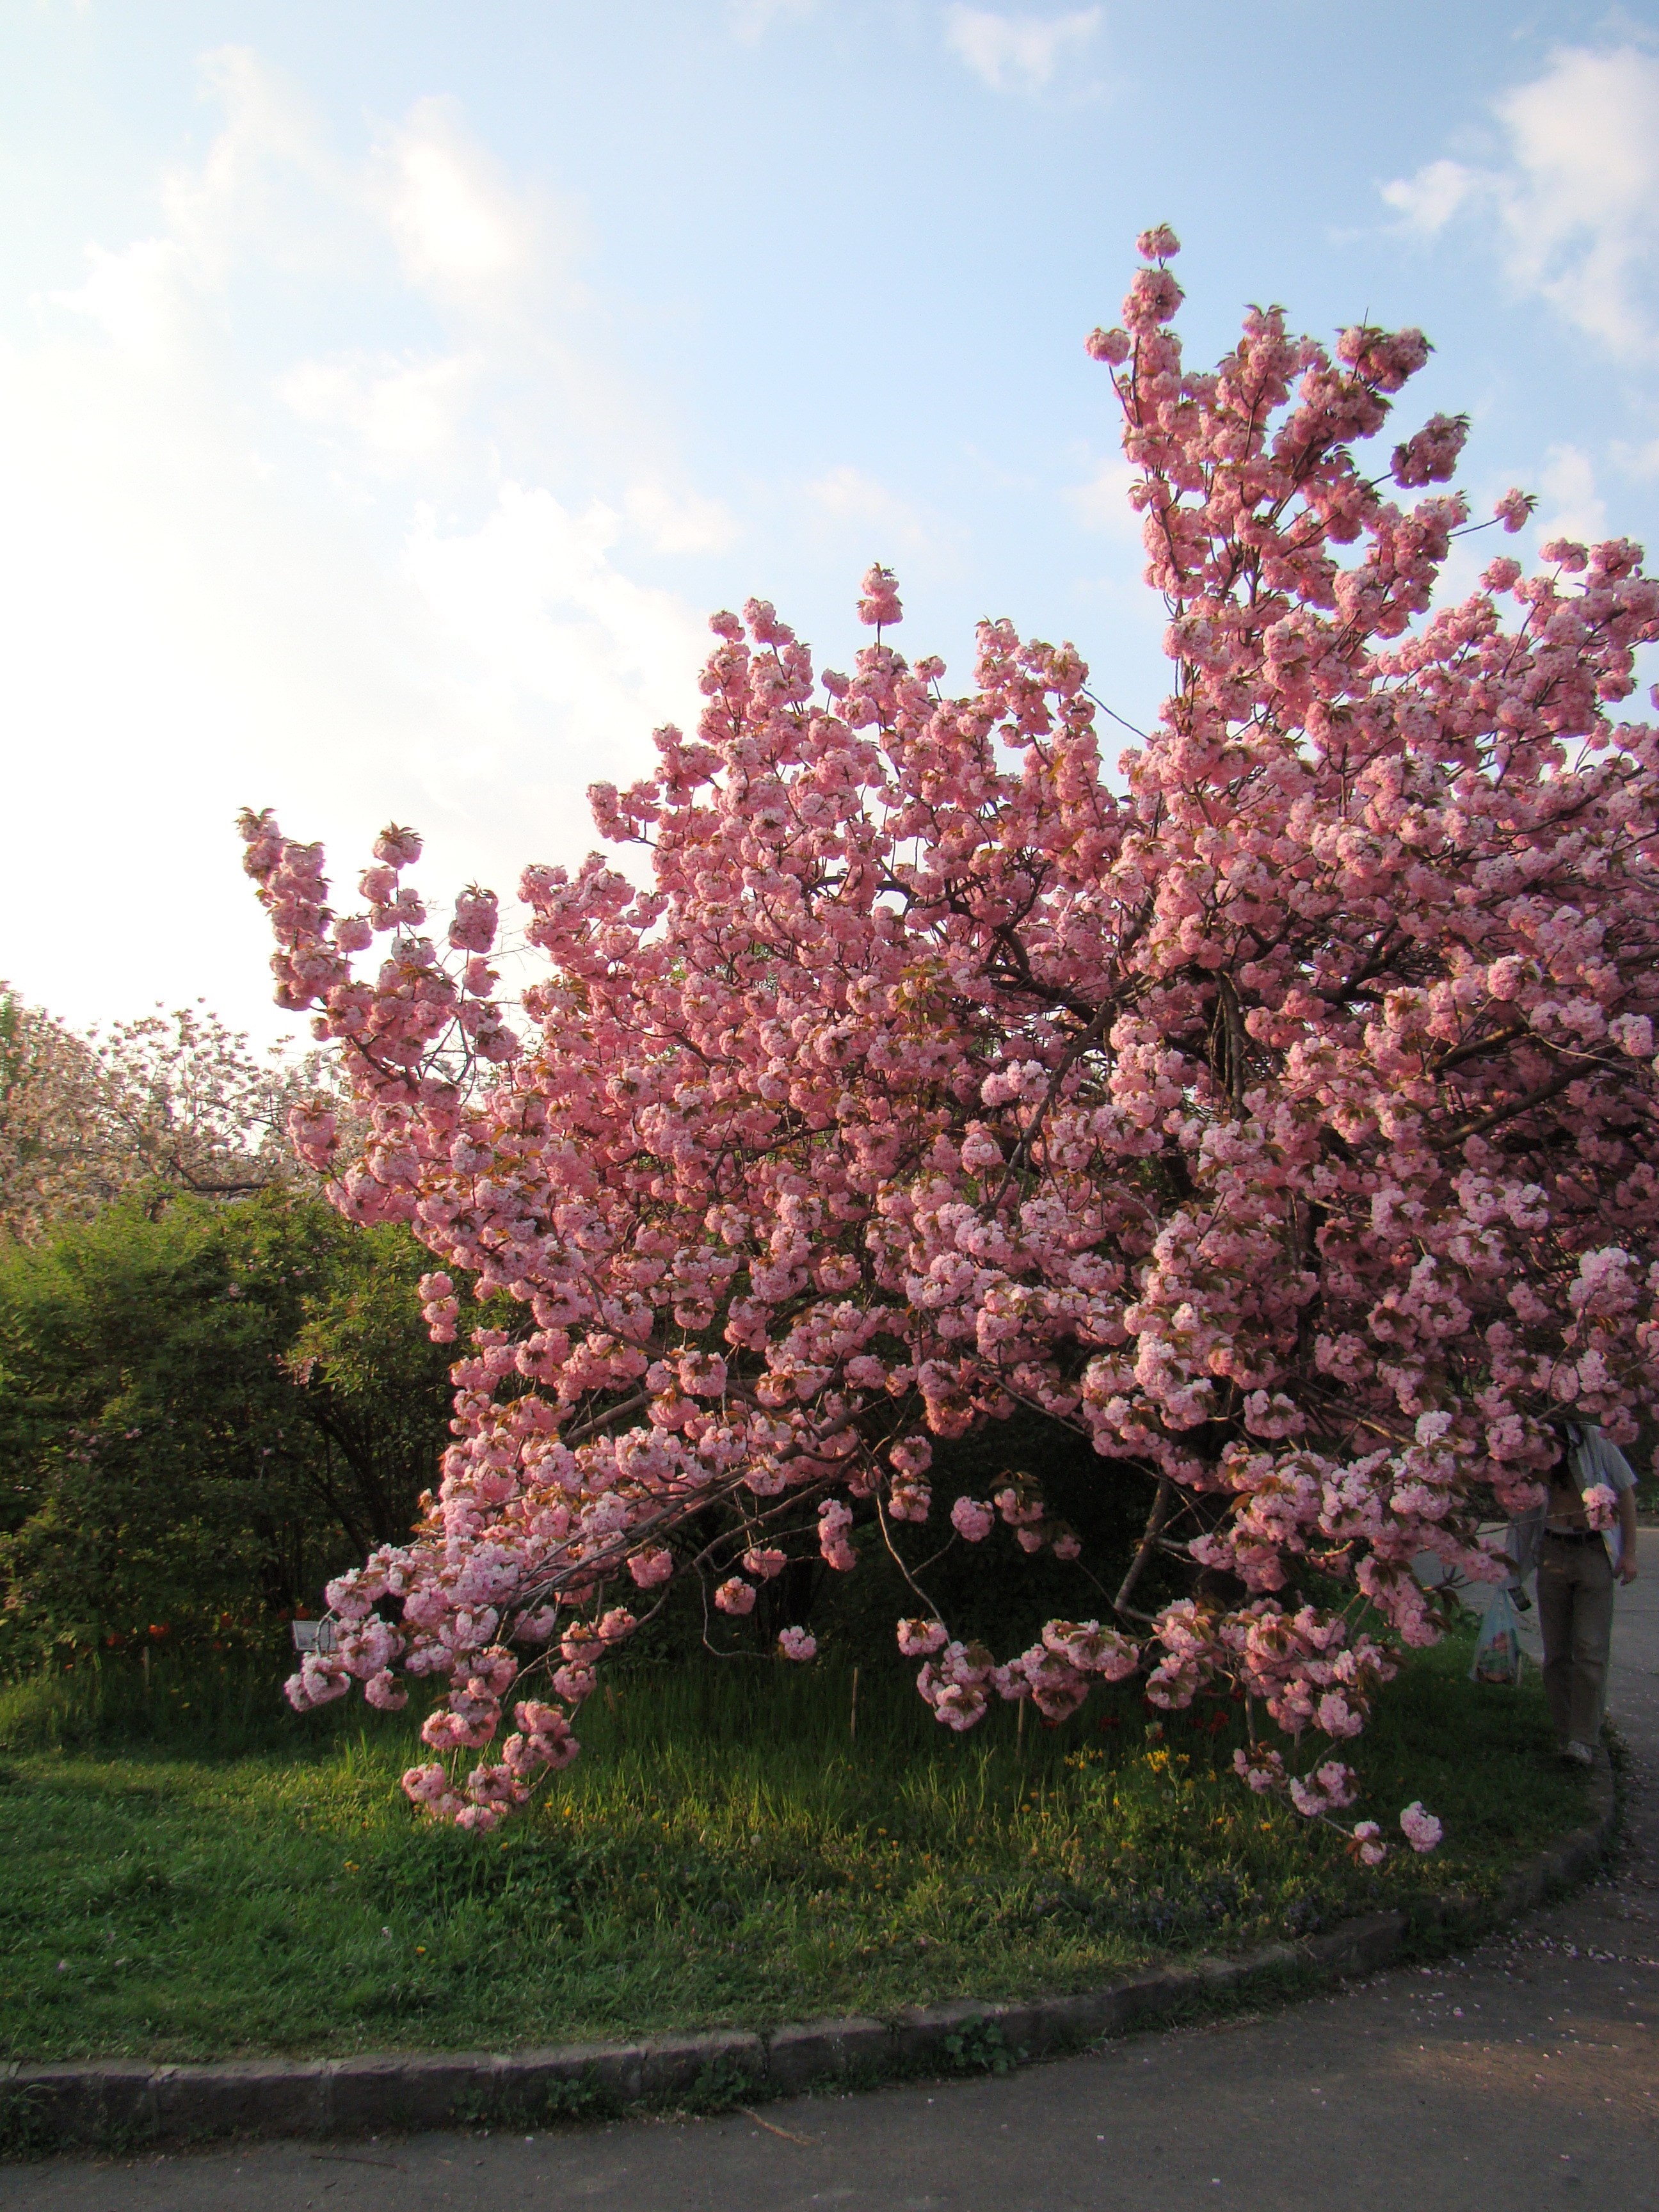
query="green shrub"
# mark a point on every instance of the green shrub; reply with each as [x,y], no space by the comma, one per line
[204,1411]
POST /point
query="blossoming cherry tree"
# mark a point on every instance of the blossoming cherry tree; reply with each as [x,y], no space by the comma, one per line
[1277,1112]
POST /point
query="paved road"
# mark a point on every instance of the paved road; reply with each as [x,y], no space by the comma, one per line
[1525,2076]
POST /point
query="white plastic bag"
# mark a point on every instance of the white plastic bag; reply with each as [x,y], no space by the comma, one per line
[1498,1652]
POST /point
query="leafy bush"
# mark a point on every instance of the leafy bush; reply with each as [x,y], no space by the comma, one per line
[203,1410]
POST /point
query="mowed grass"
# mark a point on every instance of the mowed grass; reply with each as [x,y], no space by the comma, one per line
[190,1876]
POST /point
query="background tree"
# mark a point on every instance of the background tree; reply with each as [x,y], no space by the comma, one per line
[1281,1120]
[204,1410]
[176,1099]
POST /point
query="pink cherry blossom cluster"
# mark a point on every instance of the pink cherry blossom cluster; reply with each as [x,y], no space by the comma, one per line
[1601,1505]
[1278,1111]
[1422,1831]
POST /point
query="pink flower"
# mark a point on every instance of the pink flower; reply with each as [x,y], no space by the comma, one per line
[431,1788]
[972,1520]
[1337,1717]
[981,1149]
[1633,1033]
[1369,1839]
[1154,297]
[546,1740]
[916,1638]
[1422,1830]
[834,1519]
[318,1682]
[1113,346]
[880,603]
[399,847]
[1430,457]
[735,1595]
[911,1455]
[1094,1650]
[473,929]
[960,1705]
[796,1644]
[1601,1505]
[1326,1790]
[702,1374]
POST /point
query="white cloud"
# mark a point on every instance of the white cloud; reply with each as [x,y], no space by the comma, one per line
[543,619]
[1429,200]
[1569,506]
[1017,54]
[680,522]
[398,412]
[1640,462]
[1102,503]
[204,609]
[851,496]
[750,20]
[1575,200]
[464,236]
[141,299]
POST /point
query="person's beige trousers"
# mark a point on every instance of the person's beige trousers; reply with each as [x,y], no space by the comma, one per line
[1574,1612]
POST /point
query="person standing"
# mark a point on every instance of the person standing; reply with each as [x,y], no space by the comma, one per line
[1582,1541]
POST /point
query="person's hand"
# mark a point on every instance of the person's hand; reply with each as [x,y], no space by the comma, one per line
[1627,1568]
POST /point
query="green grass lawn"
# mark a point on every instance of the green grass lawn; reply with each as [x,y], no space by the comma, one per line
[194,1875]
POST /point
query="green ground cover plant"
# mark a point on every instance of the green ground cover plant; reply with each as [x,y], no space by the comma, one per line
[193,1874]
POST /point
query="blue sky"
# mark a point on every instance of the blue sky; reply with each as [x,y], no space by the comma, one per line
[388,392]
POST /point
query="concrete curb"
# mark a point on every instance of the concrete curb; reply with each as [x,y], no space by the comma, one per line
[125,2103]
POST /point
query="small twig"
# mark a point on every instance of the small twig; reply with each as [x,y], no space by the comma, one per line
[1073,1052]
[897,1559]
[1115,716]
[806,2142]
[1159,1515]
[597,1421]
[1541,1097]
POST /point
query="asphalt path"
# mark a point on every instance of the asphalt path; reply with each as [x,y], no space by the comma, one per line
[1525,2075]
